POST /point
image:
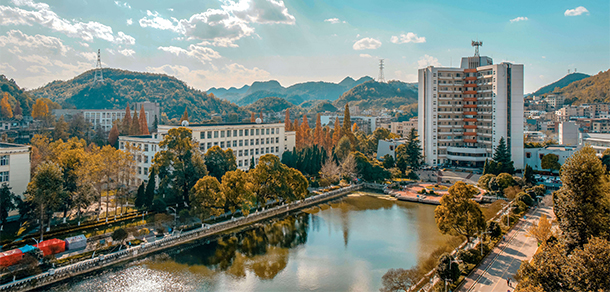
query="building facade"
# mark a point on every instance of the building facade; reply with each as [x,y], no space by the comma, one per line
[533,156]
[106,117]
[599,142]
[464,112]
[247,140]
[15,167]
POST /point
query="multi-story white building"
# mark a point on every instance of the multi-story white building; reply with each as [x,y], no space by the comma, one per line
[106,117]
[15,167]
[247,140]
[533,156]
[464,112]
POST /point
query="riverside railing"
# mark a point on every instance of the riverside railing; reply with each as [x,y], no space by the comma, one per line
[86,266]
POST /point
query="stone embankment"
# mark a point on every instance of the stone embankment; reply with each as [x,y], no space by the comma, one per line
[56,275]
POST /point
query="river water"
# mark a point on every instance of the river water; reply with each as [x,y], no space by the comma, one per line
[343,246]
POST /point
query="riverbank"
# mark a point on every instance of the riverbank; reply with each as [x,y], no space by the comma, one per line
[101,262]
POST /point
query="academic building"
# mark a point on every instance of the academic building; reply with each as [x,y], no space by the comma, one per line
[464,112]
[247,140]
[15,167]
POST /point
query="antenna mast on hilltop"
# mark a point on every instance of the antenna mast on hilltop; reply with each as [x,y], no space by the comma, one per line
[98,77]
[381,78]
[476,46]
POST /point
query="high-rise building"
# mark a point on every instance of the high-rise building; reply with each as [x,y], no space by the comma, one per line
[464,112]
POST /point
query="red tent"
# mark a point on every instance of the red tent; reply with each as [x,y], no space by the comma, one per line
[51,246]
[11,257]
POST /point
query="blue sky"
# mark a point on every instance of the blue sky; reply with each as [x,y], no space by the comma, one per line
[226,43]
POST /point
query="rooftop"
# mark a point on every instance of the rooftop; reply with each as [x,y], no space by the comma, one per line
[11,145]
[223,124]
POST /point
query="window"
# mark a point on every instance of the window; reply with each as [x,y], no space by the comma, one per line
[241,153]
[209,145]
[247,132]
[122,146]
[277,140]
[528,154]
[145,147]
[222,134]
[4,160]
[234,133]
[222,144]
[252,142]
[241,142]
[256,151]
[4,176]
[240,163]
[234,143]
[541,155]
[145,170]
[272,131]
[215,134]
[267,141]
[241,133]
[257,132]
[246,142]
[145,158]
[215,143]
[267,131]
[201,135]
[139,170]
[267,150]
[246,152]
[272,150]
[256,141]
[209,134]
[277,149]
[228,133]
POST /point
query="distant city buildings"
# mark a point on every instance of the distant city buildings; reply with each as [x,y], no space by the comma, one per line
[401,129]
[247,140]
[106,117]
[465,111]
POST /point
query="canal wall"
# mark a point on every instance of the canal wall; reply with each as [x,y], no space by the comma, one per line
[100,262]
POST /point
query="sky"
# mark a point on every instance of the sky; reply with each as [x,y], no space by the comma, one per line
[223,43]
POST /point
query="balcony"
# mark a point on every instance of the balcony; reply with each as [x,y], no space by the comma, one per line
[470,106]
[471,78]
[470,70]
[466,158]
[470,120]
[470,126]
[470,99]
[470,113]
[470,85]
[470,133]
[470,92]
[470,140]
[467,150]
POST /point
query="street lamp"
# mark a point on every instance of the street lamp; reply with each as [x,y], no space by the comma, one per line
[175,214]
[481,240]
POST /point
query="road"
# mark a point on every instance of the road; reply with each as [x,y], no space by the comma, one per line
[504,261]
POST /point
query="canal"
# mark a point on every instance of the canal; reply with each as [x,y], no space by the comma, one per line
[344,246]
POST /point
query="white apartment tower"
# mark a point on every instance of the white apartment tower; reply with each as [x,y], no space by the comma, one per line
[464,112]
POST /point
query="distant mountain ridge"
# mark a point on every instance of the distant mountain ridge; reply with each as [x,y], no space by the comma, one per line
[563,82]
[296,94]
[592,89]
[379,95]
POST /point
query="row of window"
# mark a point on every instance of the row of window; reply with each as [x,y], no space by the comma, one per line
[142,146]
[235,133]
[240,143]
[4,160]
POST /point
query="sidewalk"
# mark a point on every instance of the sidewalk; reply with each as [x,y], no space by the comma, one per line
[505,259]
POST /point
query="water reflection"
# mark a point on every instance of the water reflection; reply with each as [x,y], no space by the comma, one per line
[342,246]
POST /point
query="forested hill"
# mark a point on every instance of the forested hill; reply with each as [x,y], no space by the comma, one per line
[376,95]
[563,82]
[589,90]
[296,93]
[16,94]
[121,87]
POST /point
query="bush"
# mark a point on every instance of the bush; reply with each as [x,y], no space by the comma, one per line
[484,181]
[119,235]
[518,207]
[143,232]
[412,175]
[494,229]
[471,256]
[525,198]
[315,184]
[159,205]
[323,182]
[513,219]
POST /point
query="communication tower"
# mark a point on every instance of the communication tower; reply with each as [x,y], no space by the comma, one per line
[381,78]
[98,77]
[476,45]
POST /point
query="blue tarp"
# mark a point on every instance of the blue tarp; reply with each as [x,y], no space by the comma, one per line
[27,248]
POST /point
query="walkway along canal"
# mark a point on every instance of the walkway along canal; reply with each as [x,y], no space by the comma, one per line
[100,262]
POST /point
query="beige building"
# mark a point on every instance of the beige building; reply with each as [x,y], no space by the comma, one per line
[106,117]
[15,167]
[247,140]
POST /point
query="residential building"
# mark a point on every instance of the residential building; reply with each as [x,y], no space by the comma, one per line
[402,129]
[599,142]
[568,133]
[106,117]
[366,124]
[15,166]
[385,147]
[465,111]
[247,140]
[555,101]
[533,156]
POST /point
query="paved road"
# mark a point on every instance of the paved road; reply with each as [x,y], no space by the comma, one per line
[504,261]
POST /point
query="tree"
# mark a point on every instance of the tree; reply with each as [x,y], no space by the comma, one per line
[458,214]
[369,170]
[581,205]
[207,198]
[542,231]
[287,124]
[337,132]
[140,197]
[185,116]
[113,136]
[505,180]
[150,188]
[134,128]
[348,167]
[395,280]
[317,132]
[155,124]
[388,161]
[78,127]
[17,111]
[143,123]
[330,171]
[483,181]
[61,130]
[40,109]
[126,127]
[401,157]
[238,191]
[528,175]
[8,202]
[44,190]
[588,265]
[5,107]
[347,120]
[119,235]
[273,180]
[502,159]
[355,128]
[180,165]
[447,269]
[343,148]
[252,117]
[550,162]
[218,162]
[305,134]
[413,151]
[70,156]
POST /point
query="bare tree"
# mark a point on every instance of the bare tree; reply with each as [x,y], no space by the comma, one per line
[348,167]
[330,170]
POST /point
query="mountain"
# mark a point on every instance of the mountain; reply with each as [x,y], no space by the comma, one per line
[269,104]
[323,106]
[589,90]
[376,95]
[563,82]
[296,93]
[122,87]
[16,94]
[231,94]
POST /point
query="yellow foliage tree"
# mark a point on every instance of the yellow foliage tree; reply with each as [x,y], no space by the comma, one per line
[542,231]
[7,110]
[40,109]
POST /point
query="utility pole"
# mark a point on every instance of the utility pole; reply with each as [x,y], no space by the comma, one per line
[381,78]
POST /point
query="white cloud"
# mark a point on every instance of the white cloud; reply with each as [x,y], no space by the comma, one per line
[122,4]
[19,39]
[227,76]
[43,15]
[366,44]
[541,76]
[203,54]
[520,18]
[90,56]
[129,21]
[86,45]
[222,27]
[365,56]
[543,57]
[426,61]
[408,38]
[576,11]
[334,20]
[6,67]
[127,52]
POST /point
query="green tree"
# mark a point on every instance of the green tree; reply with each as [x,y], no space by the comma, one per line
[44,190]
[447,269]
[503,159]
[413,151]
[273,180]
[155,124]
[343,148]
[550,162]
[483,181]
[179,166]
[113,136]
[126,126]
[369,171]
[78,127]
[207,198]
[401,157]
[582,205]
[458,214]
[8,202]
[238,191]
[218,162]
[505,180]
[528,175]
[388,161]
[60,132]
[140,196]
[587,266]
[150,188]
[119,235]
